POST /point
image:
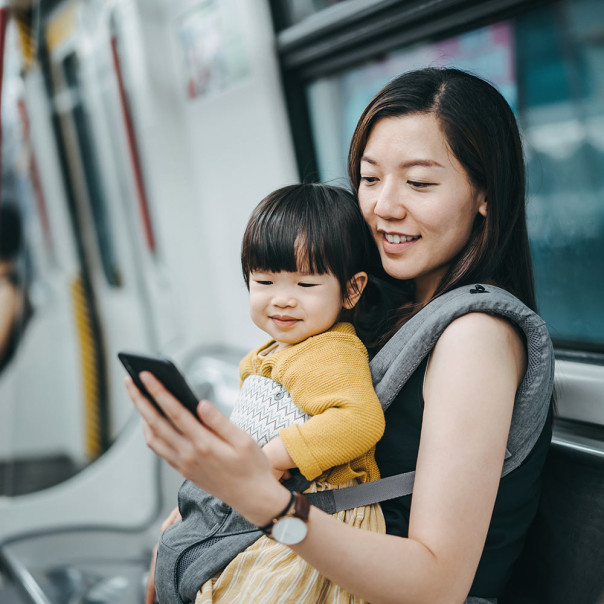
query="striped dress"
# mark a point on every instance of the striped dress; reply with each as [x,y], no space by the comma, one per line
[271,573]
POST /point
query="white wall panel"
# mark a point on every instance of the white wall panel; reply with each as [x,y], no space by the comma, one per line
[212,158]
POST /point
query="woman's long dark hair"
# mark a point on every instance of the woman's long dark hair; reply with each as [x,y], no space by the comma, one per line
[481,131]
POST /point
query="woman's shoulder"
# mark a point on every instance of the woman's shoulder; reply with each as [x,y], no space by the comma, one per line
[477,324]
[505,355]
[485,318]
[474,372]
[487,340]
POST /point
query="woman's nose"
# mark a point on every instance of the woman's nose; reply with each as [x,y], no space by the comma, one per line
[389,203]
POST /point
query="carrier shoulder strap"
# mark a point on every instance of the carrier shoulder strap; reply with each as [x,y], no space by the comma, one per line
[399,358]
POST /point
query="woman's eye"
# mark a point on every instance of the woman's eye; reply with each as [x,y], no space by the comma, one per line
[369,179]
[420,185]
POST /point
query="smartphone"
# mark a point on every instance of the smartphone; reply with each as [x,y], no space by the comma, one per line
[165,371]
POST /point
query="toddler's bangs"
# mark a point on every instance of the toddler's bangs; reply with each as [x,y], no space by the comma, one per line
[310,228]
[280,246]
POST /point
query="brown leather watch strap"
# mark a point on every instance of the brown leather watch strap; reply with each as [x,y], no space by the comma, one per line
[298,507]
[266,529]
[301,507]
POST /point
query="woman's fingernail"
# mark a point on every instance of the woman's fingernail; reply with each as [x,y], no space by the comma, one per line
[205,409]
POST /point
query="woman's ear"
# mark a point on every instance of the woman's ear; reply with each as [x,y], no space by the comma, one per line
[354,289]
[482,206]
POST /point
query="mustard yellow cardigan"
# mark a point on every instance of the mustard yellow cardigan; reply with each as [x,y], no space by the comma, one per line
[328,377]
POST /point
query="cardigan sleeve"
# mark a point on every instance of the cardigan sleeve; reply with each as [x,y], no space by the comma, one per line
[331,381]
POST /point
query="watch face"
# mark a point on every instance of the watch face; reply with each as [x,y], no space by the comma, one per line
[289,531]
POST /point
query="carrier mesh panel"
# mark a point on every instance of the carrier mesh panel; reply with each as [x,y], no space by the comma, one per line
[190,556]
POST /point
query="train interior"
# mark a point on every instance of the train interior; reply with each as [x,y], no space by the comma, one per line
[138,135]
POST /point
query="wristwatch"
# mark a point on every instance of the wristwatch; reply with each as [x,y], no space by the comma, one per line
[291,525]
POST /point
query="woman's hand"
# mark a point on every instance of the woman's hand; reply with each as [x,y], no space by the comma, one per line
[213,453]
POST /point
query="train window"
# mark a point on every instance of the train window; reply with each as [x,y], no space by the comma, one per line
[295,11]
[547,63]
[96,194]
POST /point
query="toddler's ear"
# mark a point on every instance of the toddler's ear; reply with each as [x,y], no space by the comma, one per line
[354,289]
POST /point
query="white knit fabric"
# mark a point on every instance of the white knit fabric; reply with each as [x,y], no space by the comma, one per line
[264,407]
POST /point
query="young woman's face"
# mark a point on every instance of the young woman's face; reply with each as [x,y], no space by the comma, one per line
[417,199]
[292,306]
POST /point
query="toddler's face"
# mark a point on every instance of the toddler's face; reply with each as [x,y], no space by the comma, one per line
[292,306]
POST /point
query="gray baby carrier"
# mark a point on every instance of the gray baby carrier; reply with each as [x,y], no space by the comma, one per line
[211,534]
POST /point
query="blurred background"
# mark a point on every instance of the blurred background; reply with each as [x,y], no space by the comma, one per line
[138,135]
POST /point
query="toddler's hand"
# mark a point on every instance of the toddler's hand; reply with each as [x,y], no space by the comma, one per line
[279,458]
[278,474]
[283,475]
[171,519]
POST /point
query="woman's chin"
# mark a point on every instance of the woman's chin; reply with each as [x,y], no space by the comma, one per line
[398,270]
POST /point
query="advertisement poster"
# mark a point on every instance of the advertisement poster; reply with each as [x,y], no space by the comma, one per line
[213,50]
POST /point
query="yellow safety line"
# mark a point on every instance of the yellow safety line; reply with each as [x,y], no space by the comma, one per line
[61,26]
[23,18]
[88,361]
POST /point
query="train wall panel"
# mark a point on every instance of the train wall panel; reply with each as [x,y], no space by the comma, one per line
[211,159]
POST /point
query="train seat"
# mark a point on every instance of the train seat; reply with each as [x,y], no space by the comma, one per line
[563,559]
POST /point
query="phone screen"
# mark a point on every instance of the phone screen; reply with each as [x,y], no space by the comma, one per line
[166,372]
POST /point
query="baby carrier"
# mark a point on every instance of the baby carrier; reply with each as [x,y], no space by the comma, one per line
[211,534]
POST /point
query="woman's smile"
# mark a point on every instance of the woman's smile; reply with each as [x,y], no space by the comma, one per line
[394,243]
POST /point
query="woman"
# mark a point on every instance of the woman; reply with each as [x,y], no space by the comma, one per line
[437,163]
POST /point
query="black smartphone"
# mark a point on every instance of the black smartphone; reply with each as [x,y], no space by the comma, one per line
[165,371]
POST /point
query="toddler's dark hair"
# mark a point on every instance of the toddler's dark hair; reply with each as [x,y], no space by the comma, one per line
[313,228]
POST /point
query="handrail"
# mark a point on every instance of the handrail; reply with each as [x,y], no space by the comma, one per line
[22,578]
[592,448]
[579,438]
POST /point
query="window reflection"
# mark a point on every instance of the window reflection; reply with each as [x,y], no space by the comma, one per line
[562,114]
[548,65]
